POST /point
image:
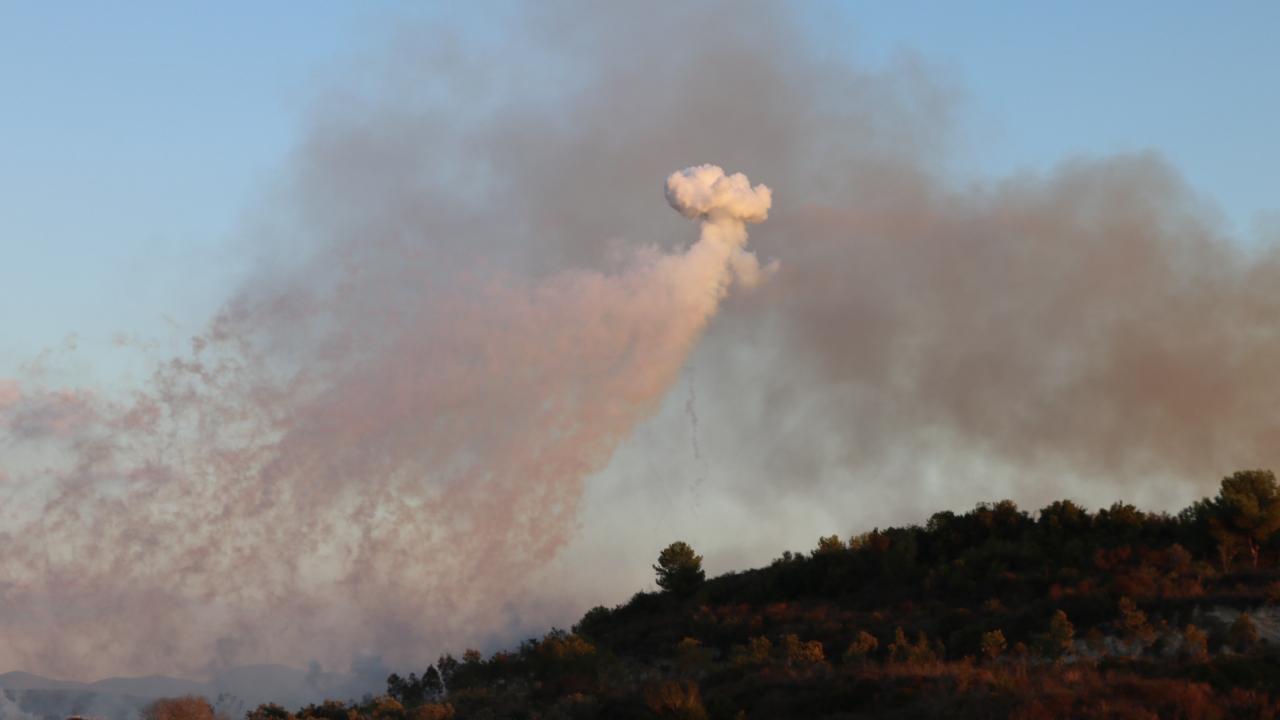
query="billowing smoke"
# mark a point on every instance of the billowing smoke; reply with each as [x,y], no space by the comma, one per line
[466,303]
[382,492]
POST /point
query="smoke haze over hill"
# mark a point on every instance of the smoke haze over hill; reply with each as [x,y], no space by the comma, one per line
[470,297]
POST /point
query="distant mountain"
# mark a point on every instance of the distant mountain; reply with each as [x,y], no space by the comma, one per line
[151,686]
[19,680]
[235,690]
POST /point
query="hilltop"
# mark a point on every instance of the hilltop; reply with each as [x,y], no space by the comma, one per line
[994,612]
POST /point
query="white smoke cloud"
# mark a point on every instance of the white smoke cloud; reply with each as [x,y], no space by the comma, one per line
[724,204]
[705,192]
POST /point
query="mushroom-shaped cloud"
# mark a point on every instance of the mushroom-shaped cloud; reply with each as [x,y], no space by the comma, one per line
[705,192]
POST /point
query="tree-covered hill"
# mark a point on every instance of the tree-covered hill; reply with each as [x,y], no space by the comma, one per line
[995,612]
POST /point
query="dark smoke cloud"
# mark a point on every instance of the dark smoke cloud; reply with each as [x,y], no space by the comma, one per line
[468,298]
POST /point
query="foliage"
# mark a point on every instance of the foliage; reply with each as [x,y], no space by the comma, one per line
[1246,511]
[907,610]
[413,691]
[1133,623]
[861,649]
[1058,639]
[757,651]
[829,544]
[679,569]
[187,707]
[1195,643]
[675,699]
[993,644]
[269,711]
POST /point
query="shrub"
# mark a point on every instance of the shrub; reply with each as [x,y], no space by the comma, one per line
[993,644]
[755,652]
[862,647]
[675,699]
[798,654]
[188,707]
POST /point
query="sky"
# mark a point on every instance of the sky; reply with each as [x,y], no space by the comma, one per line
[1007,250]
[138,138]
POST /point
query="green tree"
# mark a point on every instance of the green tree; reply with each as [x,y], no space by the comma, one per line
[1246,510]
[679,569]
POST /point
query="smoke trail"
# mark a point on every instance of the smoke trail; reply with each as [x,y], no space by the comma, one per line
[691,410]
[394,486]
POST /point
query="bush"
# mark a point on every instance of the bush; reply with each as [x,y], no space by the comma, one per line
[756,652]
[993,644]
[188,707]
[863,646]
[675,699]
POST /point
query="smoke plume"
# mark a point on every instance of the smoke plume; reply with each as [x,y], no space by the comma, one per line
[390,488]
[464,304]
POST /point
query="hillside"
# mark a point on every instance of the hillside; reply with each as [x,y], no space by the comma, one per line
[995,612]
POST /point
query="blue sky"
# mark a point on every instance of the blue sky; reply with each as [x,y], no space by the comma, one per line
[135,137]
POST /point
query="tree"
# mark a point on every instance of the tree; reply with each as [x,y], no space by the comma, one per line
[1246,511]
[328,710]
[1060,637]
[679,569]
[1195,643]
[1133,623]
[829,544]
[269,711]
